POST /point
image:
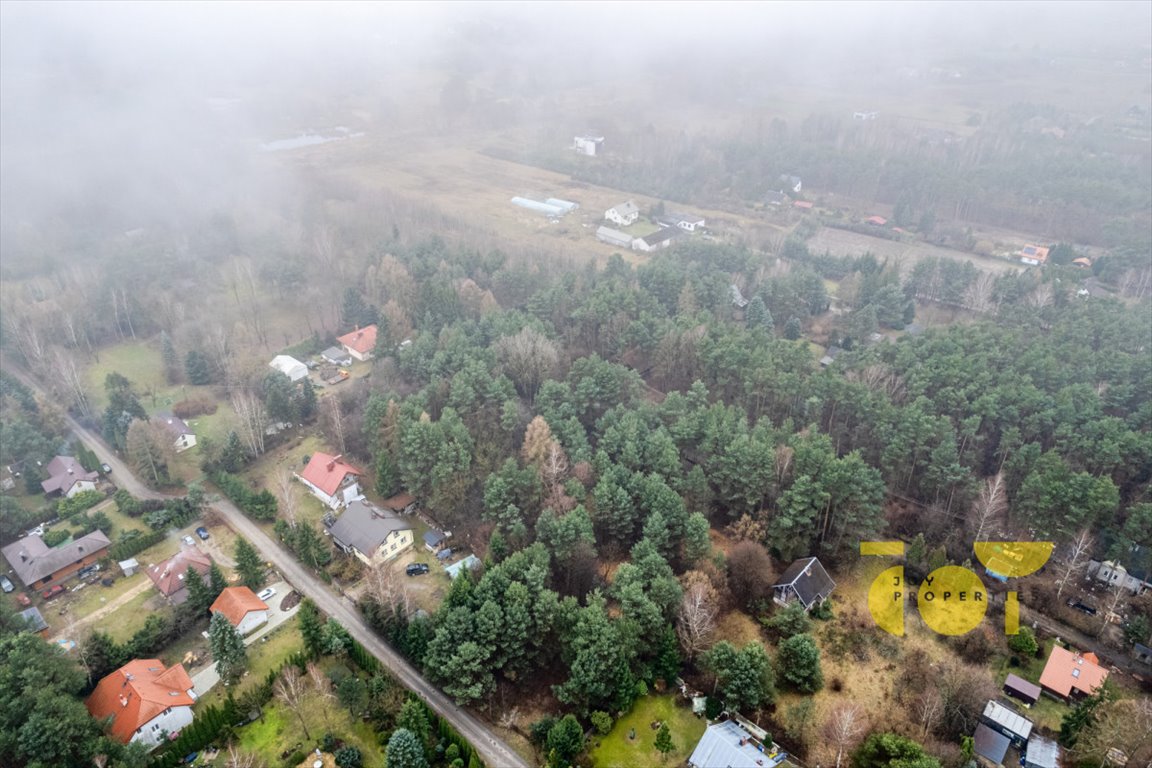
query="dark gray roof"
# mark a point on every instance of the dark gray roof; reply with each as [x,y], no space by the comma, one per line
[809,579]
[674,219]
[1017,684]
[173,424]
[432,538]
[613,236]
[1042,753]
[32,559]
[662,235]
[335,353]
[989,744]
[35,620]
[365,526]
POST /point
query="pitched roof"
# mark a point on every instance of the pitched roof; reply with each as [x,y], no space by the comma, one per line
[989,744]
[136,693]
[173,424]
[675,219]
[613,236]
[802,204]
[363,340]
[335,354]
[1067,671]
[32,559]
[1008,720]
[1035,252]
[63,473]
[625,209]
[471,562]
[877,220]
[432,538]
[365,526]
[328,472]
[727,744]
[1019,685]
[236,603]
[808,578]
[661,236]
[168,576]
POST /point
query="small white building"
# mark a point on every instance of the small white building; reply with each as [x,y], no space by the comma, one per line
[689,222]
[242,608]
[290,367]
[182,435]
[587,144]
[623,214]
[614,237]
[1113,574]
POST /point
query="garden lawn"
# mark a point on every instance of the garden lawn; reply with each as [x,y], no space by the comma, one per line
[616,750]
[266,654]
[120,521]
[126,620]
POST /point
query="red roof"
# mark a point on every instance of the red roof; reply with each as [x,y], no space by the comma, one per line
[1067,671]
[328,472]
[362,340]
[136,693]
[877,220]
[802,204]
[236,603]
[168,576]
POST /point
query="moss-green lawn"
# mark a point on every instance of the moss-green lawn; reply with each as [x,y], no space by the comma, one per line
[616,750]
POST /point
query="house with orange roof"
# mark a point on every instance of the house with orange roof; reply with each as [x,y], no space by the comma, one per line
[360,343]
[1033,254]
[242,608]
[145,701]
[331,479]
[1069,675]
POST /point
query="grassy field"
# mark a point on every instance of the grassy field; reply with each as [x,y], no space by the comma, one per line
[130,617]
[266,654]
[616,750]
[279,730]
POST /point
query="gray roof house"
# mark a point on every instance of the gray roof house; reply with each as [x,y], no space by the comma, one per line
[34,620]
[434,541]
[337,356]
[1042,753]
[623,214]
[805,581]
[727,745]
[1019,688]
[614,237]
[989,746]
[657,240]
[64,472]
[1003,720]
[37,564]
[375,535]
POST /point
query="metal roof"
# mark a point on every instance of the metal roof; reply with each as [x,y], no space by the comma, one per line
[997,713]
[989,744]
[727,745]
[1042,753]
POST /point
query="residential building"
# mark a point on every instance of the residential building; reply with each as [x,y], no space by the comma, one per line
[66,476]
[1033,254]
[1042,753]
[805,582]
[290,367]
[1112,573]
[1020,689]
[331,479]
[589,144]
[373,534]
[803,205]
[169,575]
[689,222]
[1007,722]
[182,435]
[337,356]
[242,608]
[791,182]
[434,541]
[1069,675]
[737,297]
[360,343]
[728,745]
[876,221]
[614,237]
[38,565]
[623,214]
[145,701]
[989,746]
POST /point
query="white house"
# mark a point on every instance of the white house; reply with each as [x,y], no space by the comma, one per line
[623,214]
[290,367]
[360,343]
[242,608]
[689,222]
[145,701]
[182,436]
[587,144]
[655,241]
[67,476]
[1113,573]
[331,479]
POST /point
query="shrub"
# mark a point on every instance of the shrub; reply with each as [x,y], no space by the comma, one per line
[199,405]
[1023,643]
[538,731]
[131,545]
[56,538]
[602,722]
[349,757]
[78,503]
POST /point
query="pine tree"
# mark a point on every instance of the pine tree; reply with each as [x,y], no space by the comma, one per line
[171,359]
[311,628]
[792,329]
[405,751]
[216,581]
[197,367]
[235,455]
[757,316]
[227,647]
[199,594]
[664,743]
[414,717]
[249,564]
[387,478]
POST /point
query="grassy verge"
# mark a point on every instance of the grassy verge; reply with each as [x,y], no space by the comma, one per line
[616,750]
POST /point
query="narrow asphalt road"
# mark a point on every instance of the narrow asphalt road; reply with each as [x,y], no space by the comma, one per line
[492,749]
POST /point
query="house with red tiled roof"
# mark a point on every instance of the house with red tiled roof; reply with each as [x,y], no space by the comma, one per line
[360,343]
[169,575]
[145,702]
[1033,254]
[331,479]
[242,608]
[1071,675]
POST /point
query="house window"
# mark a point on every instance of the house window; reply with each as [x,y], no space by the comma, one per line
[155,727]
[1075,673]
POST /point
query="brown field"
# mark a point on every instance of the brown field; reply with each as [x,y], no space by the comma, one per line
[842,242]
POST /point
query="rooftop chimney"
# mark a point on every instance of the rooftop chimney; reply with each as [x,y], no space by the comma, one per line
[123,701]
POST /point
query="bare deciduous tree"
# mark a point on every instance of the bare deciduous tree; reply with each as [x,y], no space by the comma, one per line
[1078,551]
[843,728]
[323,688]
[291,690]
[696,619]
[387,589]
[151,450]
[336,421]
[929,708]
[253,420]
[286,492]
[529,358]
[988,510]
[70,378]
[238,759]
[1117,595]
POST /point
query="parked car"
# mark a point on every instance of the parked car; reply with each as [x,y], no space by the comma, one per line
[416,569]
[52,592]
[189,541]
[106,469]
[88,570]
[1082,607]
[202,532]
[5,584]
[266,594]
